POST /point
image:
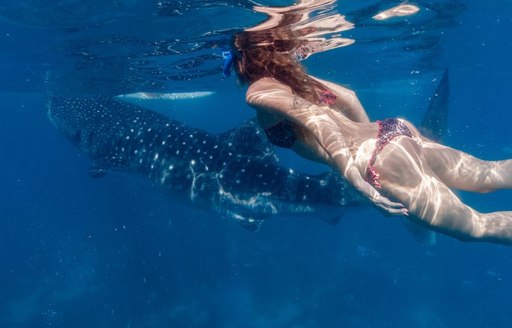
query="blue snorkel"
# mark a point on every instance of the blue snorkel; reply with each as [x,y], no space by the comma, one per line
[228,58]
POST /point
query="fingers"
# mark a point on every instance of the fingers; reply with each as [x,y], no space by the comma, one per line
[391,207]
[402,211]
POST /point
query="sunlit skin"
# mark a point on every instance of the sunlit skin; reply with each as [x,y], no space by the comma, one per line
[415,172]
[416,175]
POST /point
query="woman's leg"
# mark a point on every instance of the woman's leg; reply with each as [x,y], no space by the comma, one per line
[406,177]
[462,171]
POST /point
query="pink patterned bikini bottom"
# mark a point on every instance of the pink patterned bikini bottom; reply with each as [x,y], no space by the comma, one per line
[388,130]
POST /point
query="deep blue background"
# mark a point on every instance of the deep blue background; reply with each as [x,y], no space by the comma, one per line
[115,252]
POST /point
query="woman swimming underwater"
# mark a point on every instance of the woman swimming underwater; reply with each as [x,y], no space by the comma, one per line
[388,161]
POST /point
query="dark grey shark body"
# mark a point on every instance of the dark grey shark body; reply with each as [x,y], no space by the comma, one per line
[235,173]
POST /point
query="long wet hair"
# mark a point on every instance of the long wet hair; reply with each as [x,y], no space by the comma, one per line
[261,54]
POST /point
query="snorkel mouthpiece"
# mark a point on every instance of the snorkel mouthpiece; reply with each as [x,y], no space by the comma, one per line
[227,56]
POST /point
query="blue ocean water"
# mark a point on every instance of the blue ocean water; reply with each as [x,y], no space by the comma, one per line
[118,252]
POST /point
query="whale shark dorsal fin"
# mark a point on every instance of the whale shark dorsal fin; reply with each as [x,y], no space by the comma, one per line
[250,140]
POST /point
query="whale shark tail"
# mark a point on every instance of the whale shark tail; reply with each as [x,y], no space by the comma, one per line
[433,125]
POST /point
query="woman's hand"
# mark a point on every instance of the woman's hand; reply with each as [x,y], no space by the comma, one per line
[389,207]
[383,203]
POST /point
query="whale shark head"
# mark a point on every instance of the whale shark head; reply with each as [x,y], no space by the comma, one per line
[70,125]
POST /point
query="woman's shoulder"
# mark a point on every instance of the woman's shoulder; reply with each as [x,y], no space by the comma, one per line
[268,93]
[267,83]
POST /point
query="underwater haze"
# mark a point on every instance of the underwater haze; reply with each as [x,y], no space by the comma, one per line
[119,251]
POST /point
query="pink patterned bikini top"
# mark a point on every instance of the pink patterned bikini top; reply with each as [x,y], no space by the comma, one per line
[328,97]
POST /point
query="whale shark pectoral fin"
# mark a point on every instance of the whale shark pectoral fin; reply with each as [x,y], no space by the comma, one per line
[333,220]
[249,139]
[250,223]
[102,165]
[423,235]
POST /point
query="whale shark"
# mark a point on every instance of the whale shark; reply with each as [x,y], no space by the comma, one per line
[236,173]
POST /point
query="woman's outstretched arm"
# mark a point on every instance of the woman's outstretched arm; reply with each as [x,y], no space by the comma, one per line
[272,96]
